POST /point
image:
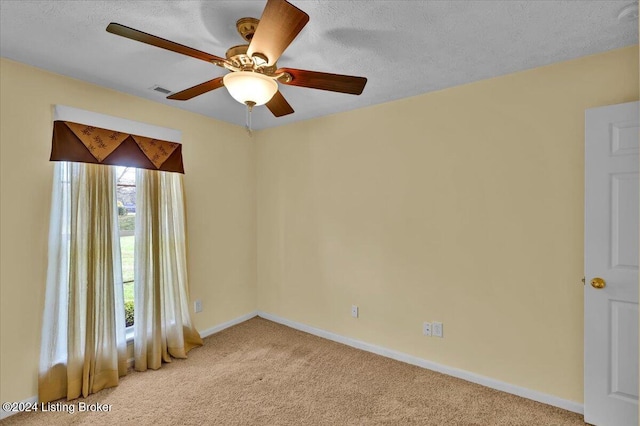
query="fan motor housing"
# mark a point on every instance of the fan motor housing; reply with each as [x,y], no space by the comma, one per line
[237,55]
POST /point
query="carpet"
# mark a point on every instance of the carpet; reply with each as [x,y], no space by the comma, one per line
[263,373]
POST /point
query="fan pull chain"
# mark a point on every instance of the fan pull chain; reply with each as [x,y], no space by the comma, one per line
[250,106]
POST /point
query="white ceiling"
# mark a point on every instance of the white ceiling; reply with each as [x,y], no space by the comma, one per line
[404,48]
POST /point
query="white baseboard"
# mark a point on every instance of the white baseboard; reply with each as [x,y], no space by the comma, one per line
[218,328]
[28,401]
[440,368]
[389,353]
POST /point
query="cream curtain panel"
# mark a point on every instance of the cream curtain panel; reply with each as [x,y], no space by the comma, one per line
[162,322]
[83,343]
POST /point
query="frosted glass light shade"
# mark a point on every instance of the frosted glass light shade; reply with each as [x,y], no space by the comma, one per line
[247,86]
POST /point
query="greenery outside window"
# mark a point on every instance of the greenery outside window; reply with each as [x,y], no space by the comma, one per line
[126,195]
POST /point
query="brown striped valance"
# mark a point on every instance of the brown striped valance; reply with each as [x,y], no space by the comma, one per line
[87,144]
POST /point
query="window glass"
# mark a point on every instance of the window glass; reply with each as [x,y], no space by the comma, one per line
[126,196]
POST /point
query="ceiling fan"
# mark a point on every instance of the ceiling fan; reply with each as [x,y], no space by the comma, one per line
[254,75]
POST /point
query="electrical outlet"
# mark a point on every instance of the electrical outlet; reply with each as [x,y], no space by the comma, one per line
[197,306]
[437,329]
[426,329]
[354,311]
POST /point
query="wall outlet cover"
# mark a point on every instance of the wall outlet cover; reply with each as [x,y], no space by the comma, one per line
[354,311]
[426,329]
[197,306]
[437,329]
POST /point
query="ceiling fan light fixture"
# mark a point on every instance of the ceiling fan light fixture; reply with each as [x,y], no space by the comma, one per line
[254,76]
[250,87]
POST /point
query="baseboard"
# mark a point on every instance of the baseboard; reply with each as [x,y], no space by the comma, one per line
[218,328]
[389,353]
[440,368]
[27,402]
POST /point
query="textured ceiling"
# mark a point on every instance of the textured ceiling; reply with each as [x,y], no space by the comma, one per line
[404,48]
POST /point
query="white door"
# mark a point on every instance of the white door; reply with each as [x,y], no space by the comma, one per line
[611,259]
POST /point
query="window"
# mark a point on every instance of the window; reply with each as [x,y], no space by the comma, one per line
[126,196]
[93,248]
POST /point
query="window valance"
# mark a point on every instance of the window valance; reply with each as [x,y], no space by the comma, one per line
[86,137]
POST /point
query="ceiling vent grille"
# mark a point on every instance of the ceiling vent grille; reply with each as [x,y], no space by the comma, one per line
[161,89]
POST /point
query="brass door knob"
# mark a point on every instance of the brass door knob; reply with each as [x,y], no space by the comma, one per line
[598,283]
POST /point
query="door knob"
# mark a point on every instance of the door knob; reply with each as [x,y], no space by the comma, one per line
[598,283]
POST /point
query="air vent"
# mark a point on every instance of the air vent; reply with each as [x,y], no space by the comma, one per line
[160,89]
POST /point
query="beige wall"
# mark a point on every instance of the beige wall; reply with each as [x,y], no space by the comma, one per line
[463,206]
[220,189]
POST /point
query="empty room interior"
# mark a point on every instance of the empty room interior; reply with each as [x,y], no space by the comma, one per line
[424,213]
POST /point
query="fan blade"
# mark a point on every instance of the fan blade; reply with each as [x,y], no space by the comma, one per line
[133,34]
[279,106]
[325,81]
[198,90]
[279,25]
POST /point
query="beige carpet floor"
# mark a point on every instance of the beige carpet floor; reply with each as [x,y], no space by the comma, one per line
[263,373]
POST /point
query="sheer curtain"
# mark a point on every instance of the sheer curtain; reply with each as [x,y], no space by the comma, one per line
[83,343]
[162,321]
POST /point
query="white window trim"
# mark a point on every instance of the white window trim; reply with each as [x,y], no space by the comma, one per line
[128,334]
[76,115]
